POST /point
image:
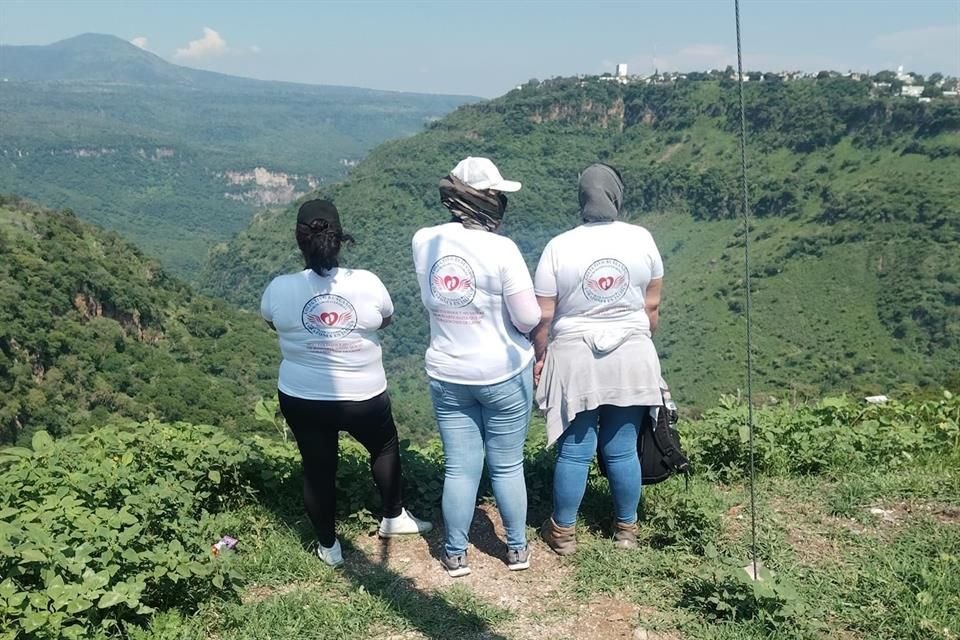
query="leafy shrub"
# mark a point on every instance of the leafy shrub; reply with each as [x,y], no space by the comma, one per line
[724,591]
[422,477]
[99,531]
[538,464]
[836,434]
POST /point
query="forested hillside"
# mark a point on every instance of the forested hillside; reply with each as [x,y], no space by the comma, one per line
[92,331]
[165,154]
[856,251]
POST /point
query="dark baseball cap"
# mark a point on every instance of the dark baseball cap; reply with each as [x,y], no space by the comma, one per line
[318,210]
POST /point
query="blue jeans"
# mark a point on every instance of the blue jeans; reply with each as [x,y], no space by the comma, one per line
[483,419]
[618,431]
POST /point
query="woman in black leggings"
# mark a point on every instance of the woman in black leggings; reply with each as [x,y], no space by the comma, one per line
[331,378]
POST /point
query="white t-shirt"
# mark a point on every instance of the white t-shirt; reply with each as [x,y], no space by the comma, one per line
[328,333]
[599,273]
[464,276]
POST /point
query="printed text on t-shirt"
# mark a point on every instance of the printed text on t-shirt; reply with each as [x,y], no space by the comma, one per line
[458,317]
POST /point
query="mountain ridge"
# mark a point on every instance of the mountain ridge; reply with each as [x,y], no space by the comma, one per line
[95,57]
[153,150]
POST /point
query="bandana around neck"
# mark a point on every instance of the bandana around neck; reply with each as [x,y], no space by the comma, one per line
[476,209]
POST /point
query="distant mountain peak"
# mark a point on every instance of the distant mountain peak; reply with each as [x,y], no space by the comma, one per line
[100,43]
[91,38]
[90,57]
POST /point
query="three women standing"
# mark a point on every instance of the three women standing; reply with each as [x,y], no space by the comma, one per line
[598,289]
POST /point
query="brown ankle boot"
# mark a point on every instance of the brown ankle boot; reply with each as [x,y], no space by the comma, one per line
[625,535]
[563,540]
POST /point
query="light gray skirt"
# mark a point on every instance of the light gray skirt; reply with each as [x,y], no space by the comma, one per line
[577,377]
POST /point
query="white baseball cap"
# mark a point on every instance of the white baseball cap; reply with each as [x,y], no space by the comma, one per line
[481,173]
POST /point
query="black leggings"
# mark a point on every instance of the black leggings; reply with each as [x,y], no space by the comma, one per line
[317,424]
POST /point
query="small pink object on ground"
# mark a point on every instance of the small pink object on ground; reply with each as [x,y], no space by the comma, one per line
[226,543]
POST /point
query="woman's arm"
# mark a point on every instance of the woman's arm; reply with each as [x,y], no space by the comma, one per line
[651,303]
[541,333]
[523,310]
[386,303]
[517,288]
[266,309]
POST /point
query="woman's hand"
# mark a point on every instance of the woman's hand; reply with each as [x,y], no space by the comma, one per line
[541,332]
[540,335]
[537,370]
[651,303]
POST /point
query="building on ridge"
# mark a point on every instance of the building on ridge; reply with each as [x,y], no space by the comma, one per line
[911,91]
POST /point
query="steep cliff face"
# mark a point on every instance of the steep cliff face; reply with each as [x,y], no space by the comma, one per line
[587,112]
[263,187]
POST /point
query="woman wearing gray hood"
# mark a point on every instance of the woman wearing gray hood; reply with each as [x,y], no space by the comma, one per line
[597,370]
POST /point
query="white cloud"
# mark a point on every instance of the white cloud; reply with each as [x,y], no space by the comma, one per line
[255,49]
[933,48]
[705,56]
[139,41]
[696,57]
[211,44]
[943,37]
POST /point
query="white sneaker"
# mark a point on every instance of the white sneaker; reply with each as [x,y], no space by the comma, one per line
[403,525]
[332,556]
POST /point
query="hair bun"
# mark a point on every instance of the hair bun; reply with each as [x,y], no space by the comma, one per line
[319,225]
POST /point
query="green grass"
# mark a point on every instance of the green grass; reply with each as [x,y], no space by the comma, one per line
[292,594]
[856,575]
[857,521]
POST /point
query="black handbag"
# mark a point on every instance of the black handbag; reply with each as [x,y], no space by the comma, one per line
[658,447]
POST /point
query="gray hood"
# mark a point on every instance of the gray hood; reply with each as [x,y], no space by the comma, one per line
[601,194]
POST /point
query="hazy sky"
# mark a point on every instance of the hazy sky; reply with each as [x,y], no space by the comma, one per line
[486,47]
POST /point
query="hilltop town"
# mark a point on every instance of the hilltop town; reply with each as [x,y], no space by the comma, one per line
[884,83]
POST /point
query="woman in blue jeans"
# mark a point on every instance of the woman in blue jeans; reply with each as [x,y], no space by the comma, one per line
[597,370]
[478,292]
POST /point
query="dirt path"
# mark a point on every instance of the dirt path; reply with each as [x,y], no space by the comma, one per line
[541,599]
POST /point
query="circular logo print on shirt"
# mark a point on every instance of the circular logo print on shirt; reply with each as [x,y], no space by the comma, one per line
[452,281]
[606,280]
[329,316]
